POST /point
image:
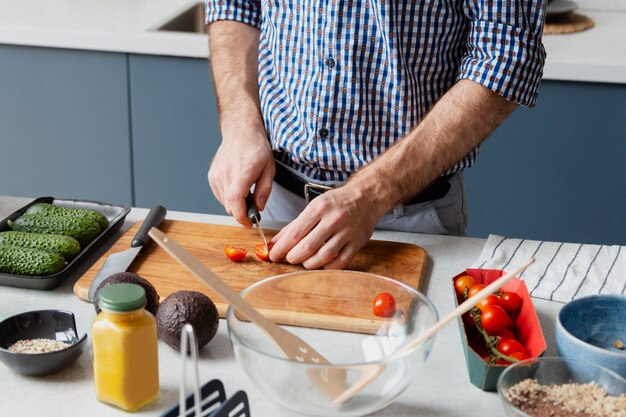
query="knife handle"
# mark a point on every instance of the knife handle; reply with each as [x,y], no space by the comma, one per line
[253,211]
[153,219]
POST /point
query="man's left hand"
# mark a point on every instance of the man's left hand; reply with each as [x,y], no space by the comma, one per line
[329,232]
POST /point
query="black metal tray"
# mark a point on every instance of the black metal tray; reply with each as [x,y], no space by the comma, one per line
[115,215]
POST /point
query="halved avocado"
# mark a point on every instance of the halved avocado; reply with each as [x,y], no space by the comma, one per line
[152,297]
[187,307]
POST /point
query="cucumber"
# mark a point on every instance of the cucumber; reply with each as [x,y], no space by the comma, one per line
[44,208]
[29,261]
[83,230]
[66,246]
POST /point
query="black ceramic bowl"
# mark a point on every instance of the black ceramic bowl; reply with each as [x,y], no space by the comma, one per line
[46,324]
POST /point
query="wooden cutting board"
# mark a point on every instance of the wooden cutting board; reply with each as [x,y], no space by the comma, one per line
[401,261]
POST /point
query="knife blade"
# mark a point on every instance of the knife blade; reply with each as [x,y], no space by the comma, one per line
[255,217]
[119,262]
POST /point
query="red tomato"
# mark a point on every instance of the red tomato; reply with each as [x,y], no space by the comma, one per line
[262,252]
[509,346]
[463,283]
[474,289]
[234,253]
[511,302]
[384,305]
[520,356]
[505,334]
[491,300]
[509,323]
[493,319]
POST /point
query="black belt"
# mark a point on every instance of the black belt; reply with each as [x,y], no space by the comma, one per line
[307,190]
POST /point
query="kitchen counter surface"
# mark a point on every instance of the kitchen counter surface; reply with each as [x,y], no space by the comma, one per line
[129,26]
[443,389]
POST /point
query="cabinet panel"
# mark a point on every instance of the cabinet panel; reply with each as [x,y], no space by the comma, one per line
[64,124]
[556,172]
[175,132]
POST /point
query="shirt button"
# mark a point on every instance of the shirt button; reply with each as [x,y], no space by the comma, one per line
[330,63]
[323,133]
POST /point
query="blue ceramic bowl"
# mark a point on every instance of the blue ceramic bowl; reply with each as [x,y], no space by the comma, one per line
[47,324]
[588,329]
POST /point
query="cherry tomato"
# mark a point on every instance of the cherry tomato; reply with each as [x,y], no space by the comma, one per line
[509,324]
[493,319]
[509,346]
[520,356]
[511,302]
[474,289]
[491,300]
[505,334]
[463,283]
[384,305]
[262,252]
[234,253]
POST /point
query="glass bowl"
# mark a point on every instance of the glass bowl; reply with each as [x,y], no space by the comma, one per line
[45,324]
[556,371]
[332,312]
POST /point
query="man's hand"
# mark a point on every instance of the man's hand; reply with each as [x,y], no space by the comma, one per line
[336,225]
[329,232]
[244,158]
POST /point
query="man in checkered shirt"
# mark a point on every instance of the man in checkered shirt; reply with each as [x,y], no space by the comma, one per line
[373,107]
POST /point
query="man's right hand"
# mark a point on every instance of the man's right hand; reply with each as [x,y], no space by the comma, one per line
[244,158]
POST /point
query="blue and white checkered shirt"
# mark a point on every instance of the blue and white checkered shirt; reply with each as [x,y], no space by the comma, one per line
[341,80]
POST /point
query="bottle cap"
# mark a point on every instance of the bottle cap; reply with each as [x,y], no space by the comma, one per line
[122,297]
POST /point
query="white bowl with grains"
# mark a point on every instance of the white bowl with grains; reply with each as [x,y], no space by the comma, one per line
[558,387]
[40,342]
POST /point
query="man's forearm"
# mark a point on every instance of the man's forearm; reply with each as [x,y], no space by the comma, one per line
[459,121]
[234,50]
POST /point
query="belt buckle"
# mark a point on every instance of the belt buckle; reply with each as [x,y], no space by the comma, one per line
[310,186]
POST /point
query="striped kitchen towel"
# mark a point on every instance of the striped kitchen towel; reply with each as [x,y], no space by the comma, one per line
[561,271]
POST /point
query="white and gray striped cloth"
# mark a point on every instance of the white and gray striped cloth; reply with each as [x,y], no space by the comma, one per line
[561,271]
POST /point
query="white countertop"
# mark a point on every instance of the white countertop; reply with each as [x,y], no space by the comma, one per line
[128,26]
[443,390]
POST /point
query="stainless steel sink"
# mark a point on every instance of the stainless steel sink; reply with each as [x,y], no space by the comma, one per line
[190,20]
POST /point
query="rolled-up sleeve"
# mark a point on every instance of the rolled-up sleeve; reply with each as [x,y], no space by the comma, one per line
[244,11]
[504,48]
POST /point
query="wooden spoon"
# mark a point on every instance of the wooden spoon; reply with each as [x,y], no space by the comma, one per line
[370,372]
[330,380]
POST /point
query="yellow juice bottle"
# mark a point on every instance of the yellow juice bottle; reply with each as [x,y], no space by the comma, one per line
[125,352]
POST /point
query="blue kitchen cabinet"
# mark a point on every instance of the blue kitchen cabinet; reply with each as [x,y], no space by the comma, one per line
[556,172]
[175,132]
[64,124]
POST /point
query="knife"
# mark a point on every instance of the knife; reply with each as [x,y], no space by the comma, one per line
[255,217]
[119,262]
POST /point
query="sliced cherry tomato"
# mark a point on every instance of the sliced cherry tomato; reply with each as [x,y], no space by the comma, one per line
[511,302]
[384,305]
[509,346]
[493,319]
[464,283]
[505,334]
[234,253]
[491,300]
[262,252]
[474,289]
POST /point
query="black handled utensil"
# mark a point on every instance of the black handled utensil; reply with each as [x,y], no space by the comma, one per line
[119,262]
[255,216]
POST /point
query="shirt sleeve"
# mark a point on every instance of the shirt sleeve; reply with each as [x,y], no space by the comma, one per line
[504,48]
[244,11]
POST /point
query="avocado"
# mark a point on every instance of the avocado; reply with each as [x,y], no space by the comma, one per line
[187,307]
[152,297]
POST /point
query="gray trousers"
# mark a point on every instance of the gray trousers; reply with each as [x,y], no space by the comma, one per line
[446,216]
